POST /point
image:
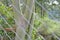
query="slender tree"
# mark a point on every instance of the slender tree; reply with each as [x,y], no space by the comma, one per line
[23,9]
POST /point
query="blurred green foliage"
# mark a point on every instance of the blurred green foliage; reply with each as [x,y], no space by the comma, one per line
[44,25]
[6,16]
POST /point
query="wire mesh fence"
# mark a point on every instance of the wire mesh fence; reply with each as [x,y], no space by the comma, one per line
[30,20]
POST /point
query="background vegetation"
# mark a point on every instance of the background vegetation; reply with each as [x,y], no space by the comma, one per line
[46,21]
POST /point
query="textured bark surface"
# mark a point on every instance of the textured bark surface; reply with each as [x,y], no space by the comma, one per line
[21,23]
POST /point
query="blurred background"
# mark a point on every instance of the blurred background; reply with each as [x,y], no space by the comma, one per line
[29,19]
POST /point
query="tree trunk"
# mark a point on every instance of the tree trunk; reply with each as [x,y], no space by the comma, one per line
[22,22]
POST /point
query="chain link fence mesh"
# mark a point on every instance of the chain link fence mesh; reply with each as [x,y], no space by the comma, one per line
[30,20]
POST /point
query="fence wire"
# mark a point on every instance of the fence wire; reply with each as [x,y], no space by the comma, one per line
[43,22]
